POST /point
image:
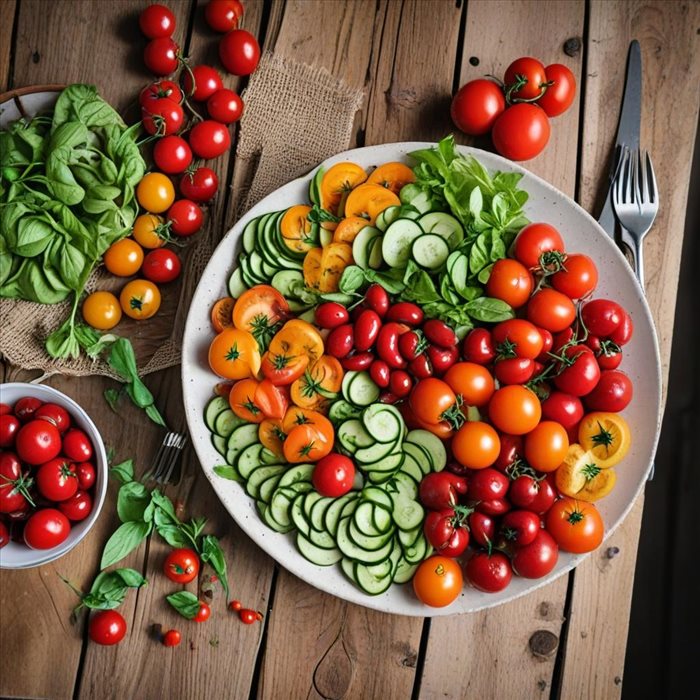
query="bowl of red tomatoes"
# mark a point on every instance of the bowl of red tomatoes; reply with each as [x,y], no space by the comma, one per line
[53,475]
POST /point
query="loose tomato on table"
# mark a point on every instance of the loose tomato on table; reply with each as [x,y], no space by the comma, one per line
[204,612]
[490,572]
[107,627]
[577,527]
[476,445]
[319,384]
[225,106]
[239,52]
[511,282]
[525,79]
[521,132]
[172,154]
[123,258]
[140,299]
[201,82]
[185,217]
[333,475]
[161,266]
[150,231]
[171,638]
[101,310]
[162,117]
[581,476]
[476,106]
[606,435]
[209,139]
[199,184]
[223,15]
[161,56]
[514,409]
[155,193]
[242,400]
[234,354]
[159,90]
[181,565]
[560,95]
[157,21]
[438,581]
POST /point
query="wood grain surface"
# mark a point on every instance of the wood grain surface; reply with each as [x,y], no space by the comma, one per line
[565,640]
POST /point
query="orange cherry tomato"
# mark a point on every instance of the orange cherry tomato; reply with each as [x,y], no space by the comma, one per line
[476,445]
[319,384]
[511,282]
[259,310]
[272,400]
[147,231]
[575,525]
[438,581]
[296,416]
[393,176]
[306,444]
[222,314]
[551,310]
[433,401]
[283,369]
[272,435]
[546,446]
[298,234]
[140,299]
[155,192]
[233,354]
[515,409]
[101,310]
[297,337]
[474,383]
[443,429]
[124,257]
[242,400]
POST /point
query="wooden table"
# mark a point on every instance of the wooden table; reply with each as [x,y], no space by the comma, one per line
[566,639]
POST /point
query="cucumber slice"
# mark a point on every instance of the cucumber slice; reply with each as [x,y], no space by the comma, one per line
[350,549]
[321,539]
[371,583]
[361,390]
[239,439]
[430,251]
[348,567]
[396,245]
[311,499]
[419,551]
[249,460]
[407,513]
[317,555]
[381,519]
[352,435]
[332,515]
[216,406]
[249,235]
[315,187]
[268,487]
[280,506]
[226,422]
[219,443]
[260,475]
[267,515]
[363,520]
[325,237]
[383,422]
[374,259]
[375,454]
[297,473]
[284,280]
[341,410]
[236,286]
[409,192]
[405,485]
[412,468]
[444,225]
[377,496]
[422,201]
[419,455]
[268,457]
[408,538]
[360,246]
[404,571]
[318,513]
[255,262]
[387,217]
[296,515]
[432,445]
[378,478]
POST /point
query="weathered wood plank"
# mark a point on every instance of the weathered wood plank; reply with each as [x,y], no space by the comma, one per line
[667,33]
[537,29]
[8,9]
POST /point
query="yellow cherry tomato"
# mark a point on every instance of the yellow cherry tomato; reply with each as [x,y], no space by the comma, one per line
[607,436]
[101,310]
[155,192]
[140,299]
[580,476]
[234,354]
[146,229]
[124,258]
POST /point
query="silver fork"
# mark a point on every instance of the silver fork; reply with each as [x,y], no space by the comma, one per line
[636,202]
[167,456]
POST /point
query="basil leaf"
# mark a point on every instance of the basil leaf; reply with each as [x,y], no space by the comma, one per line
[185,603]
[351,280]
[212,553]
[132,501]
[109,588]
[123,472]
[172,534]
[112,398]
[154,414]
[227,472]
[165,505]
[131,577]
[488,310]
[127,537]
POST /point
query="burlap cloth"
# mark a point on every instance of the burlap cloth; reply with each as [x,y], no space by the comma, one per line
[295,116]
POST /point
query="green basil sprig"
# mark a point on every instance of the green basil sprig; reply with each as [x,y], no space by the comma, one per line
[185,603]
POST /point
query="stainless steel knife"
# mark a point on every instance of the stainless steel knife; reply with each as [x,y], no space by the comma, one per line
[627,129]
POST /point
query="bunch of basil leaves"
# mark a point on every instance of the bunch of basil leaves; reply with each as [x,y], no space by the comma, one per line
[67,192]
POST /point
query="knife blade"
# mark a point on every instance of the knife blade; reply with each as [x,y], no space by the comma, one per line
[628,128]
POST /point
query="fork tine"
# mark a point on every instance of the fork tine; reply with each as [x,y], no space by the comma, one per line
[643,156]
[636,190]
[619,193]
[182,439]
[654,192]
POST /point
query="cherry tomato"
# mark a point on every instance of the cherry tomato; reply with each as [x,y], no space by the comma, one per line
[330,315]
[223,15]
[234,354]
[607,353]
[445,532]
[124,257]
[578,278]
[147,231]
[4,535]
[546,446]
[545,496]
[155,193]
[482,528]
[439,490]
[559,96]
[14,484]
[366,329]
[575,525]
[203,613]
[171,638]
[478,347]
[623,333]
[162,117]
[420,367]
[209,139]
[199,185]
[613,392]
[487,485]
[527,75]
[538,558]
[601,317]
[514,409]
[247,616]
[9,425]
[514,370]
[107,627]
[37,442]
[400,383]
[239,51]
[511,450]
[493,506]
[377,299]
[439,333]
[441,359]
[26,407]
[489,572]
[387,345]
[161,266]
[520,527]
[579,374]
[565,409]
[45,529]
[405,312]
[77,446]
[56,479]
[161,56]
[333,475]
[476,106]
[521,132]
[77,507]
[86,475]
[157,21]
[5,409]
[225,106]
[101,310]
[380,373]
[511,282]
[517,338]
[206,82]
[54,414]
[476,445]
[181,565]
[340,341]
[185,218]
[534,240]
[433,401]
[159,90]
[438,581]
[140,299]
[551,310]
[172,155]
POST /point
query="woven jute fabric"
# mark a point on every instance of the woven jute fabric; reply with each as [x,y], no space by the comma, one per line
[295,116]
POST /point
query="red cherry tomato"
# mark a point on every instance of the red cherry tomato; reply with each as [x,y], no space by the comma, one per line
[107,627]
[225,106]
[439,490]
[526,74]
[26,407]
[623,333]
[521,132]
[366,329]
[223,15]
[333,475]
[209,139]
[331,315]
[199,185]
[511,450]
[57,479]
[357,361]
[559,96]
[387,345]
[54,414]
[201,82]
[181,565]
[400,383]
[444,531]
[45,529]
[487,484]
[172,155]
[482,528]
[203,613]
[86,475]
[161,266]
[377,299]
[514,370]
[534,240]
[478,347]
[405,312]
[4,535]
[159,90]
[613,392]
[185,217]
[38,441]
[476,106]
[340,341]
[380,373]
[77,507]
[157,21]
[9,426]
[439,333]
[602,317]
[517,338]
[77,446]
[441,359]
[565,409]
[239,51]
[14,484]
[161,56]
[162,117]
[489,572]
[5,409]
[538,558]
[578,278]
[520,527]
[171,638]
[511,282]
[580,374]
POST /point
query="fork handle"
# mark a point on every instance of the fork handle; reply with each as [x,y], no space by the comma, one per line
[636,251]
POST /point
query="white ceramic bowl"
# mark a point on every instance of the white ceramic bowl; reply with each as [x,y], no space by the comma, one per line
[18,556]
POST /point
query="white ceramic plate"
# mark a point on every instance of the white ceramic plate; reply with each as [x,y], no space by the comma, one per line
[581,234]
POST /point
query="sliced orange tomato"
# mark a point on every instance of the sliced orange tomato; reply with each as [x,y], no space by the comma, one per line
[393,176]
[296,416]
[335,258]
[306,444]
[319,384]
[296,338]
[222,314]
[348,229]
[298,233]
[283,369]
[272,400]
[337,181]
[606,435]
[260,311]
[272,435]
[242,401]
[581,476]
[312,268]
[234,354]
[368,200]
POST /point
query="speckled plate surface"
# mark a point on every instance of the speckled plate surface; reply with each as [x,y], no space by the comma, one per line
[581,234]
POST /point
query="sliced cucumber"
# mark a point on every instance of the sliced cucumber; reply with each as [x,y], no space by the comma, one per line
[267,488]
[407,513]
[311,499]
[249,235]
[388,464]
[364,519]
[408,538]
[378,496]
[419,551]
[317,555]
[318,513]
[284,280]
[297,473]
[236,285]
[419,455]
[404,571]
[432,445]
[360,246]
[369,582]
[297,516]
[444,225]
[430,251]
[361,390]
[404,484]
[374,259]
[350,549]
[398,238]
[367,542]
[219,443]
[325,237]
[375,453]
[226,422]
[315,187]
[332,515]
[412,468]
[216,406]
[239,439]
[341,410]
[352,435]
[383,422]
[280,506]
[381,518]
[249,460]
[260,475]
